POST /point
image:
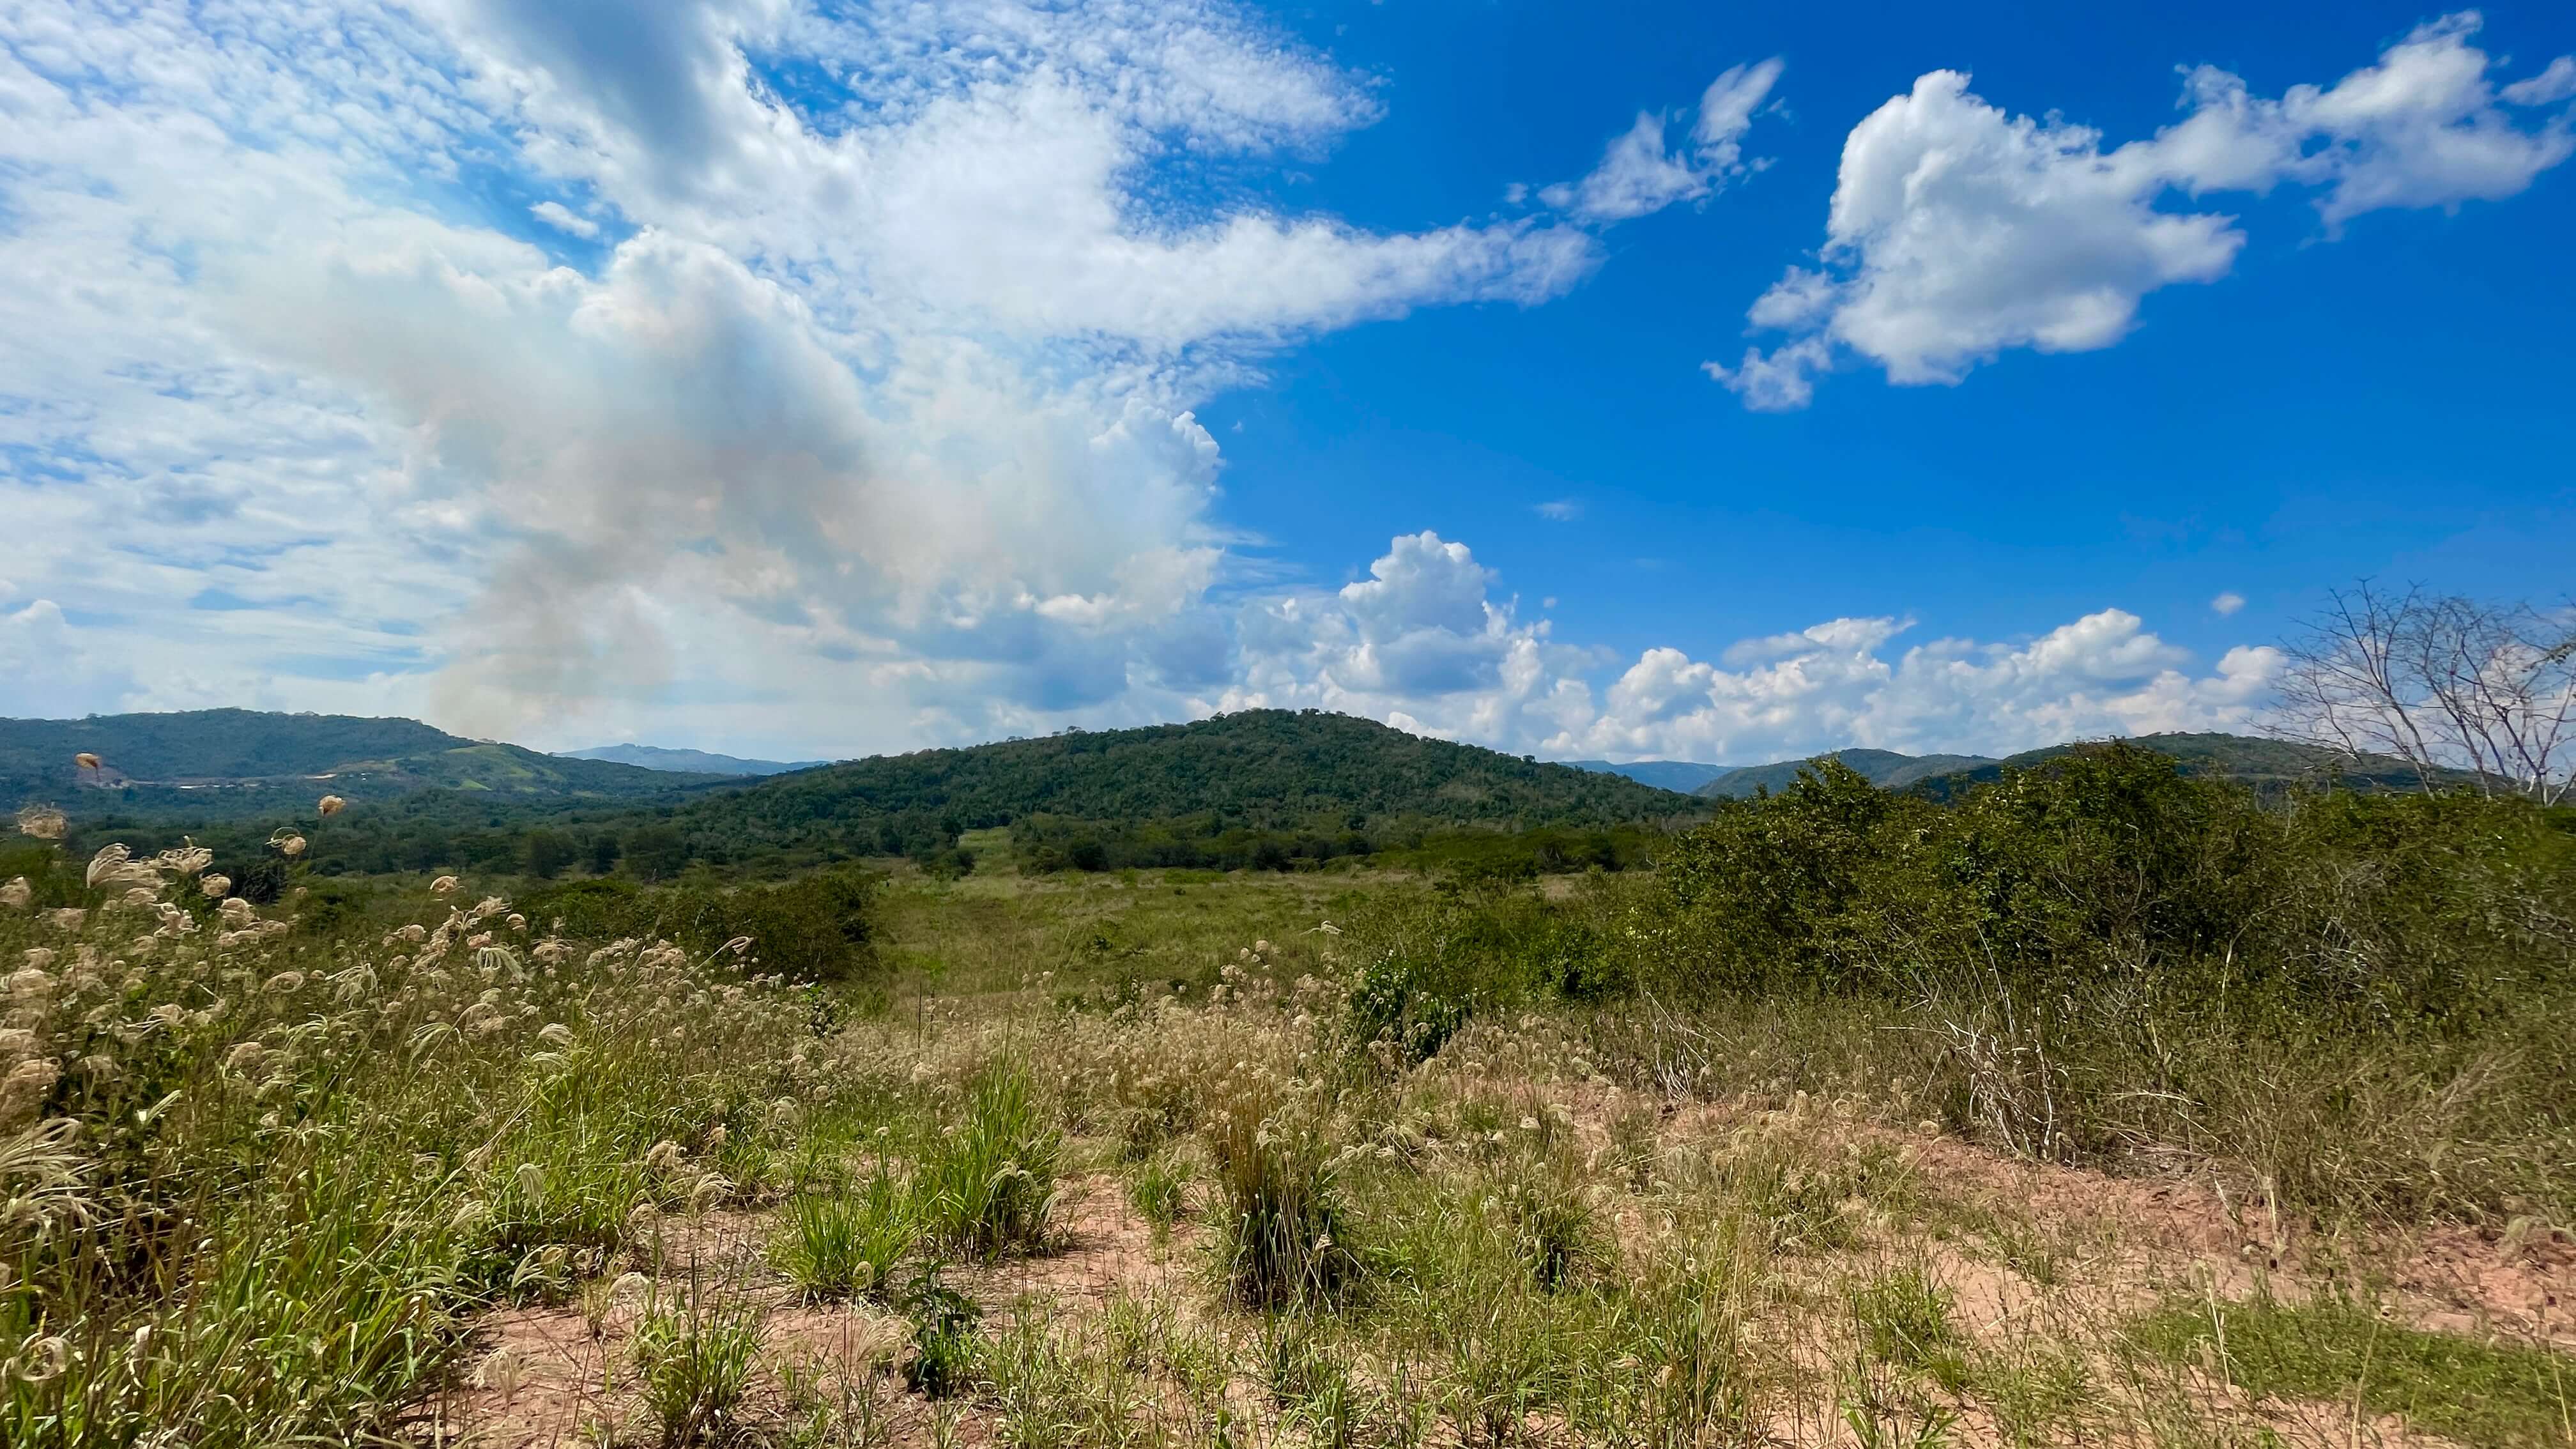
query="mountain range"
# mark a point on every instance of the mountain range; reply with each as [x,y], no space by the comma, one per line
[1265,769]
[687,762]
[2262,763]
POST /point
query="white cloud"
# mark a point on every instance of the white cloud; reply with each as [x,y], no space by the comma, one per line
[880,413]
[1958,232]
[1425,640]
[1638,176]
[2557,83]
[563,218]
[1835,685]
[2227,603]
[1560,510]
[875,426]
[1779,381]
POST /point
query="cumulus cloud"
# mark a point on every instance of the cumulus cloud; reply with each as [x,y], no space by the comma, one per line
[1957,231]
[868,419]
[1427,641]
[2227,603]
[880,408]
[1638,175]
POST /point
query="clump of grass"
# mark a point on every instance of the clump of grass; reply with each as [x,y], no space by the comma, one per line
[1312,1384]
[1905,1317]
[1553,1220]
[844,1245]
[694,1363]
[1684,1329]
[2039,1392]
[2337,1349]
[989,1187]
[1283,1233]
[1158,1188]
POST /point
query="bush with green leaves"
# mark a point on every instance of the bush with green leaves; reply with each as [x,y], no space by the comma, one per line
[819,927]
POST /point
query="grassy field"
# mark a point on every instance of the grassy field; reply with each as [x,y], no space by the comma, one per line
[1164,1157]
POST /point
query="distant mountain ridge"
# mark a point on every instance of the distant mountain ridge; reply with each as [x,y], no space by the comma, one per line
[696,762]
[1685,776]
[1884,768]
[2264,763]
[2247,759]
[230,761]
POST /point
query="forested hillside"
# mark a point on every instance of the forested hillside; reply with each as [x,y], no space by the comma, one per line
[1261,769]
[1884,768]
[2263,763]
[236,763]
[2266,765]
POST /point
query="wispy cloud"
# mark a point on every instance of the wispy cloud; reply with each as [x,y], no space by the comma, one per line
[1559,510]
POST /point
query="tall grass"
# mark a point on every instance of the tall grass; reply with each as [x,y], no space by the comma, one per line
[1284,1234]
[262,1179]
[694,1360]
[839,1245]
[989,1186]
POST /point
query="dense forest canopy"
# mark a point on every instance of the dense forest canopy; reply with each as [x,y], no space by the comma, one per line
[1264,769]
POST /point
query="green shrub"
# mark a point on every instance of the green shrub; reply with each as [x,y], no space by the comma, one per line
[820,927]
[944,1344]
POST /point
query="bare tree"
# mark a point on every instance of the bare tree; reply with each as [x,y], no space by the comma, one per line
[2449,685]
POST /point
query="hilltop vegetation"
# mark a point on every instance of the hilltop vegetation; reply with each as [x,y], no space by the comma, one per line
[1884,768]
[2264,764]
[1270,771]
[1263,788]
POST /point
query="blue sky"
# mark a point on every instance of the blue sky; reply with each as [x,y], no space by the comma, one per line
[818,380]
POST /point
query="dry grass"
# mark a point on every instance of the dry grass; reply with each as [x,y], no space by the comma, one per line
[462,1182]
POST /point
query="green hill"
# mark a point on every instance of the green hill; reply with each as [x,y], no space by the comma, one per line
[223,763]
[1885,768]
[1262,769]
[2262,763]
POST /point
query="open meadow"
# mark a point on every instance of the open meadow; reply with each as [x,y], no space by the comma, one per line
[2104,1113]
